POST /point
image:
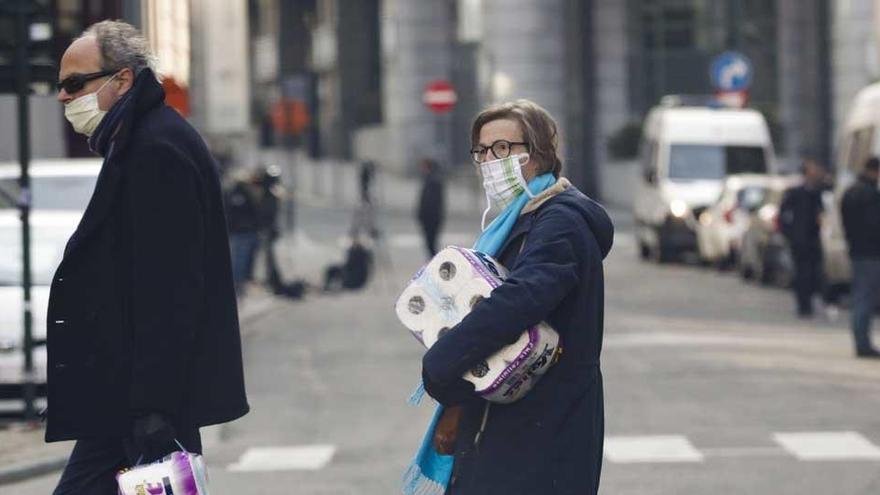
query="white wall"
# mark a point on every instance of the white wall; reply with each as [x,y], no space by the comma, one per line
[854,58]
[611,50]
[46,127]
[220,79]
[524,43]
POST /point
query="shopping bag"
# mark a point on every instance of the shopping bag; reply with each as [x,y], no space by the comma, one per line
[179,473]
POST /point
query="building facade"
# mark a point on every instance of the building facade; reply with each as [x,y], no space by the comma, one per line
[345,78]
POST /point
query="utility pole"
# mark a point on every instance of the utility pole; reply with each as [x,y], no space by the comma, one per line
[22,78]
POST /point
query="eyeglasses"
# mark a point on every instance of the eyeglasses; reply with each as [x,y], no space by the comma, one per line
[74,83]
[500,149]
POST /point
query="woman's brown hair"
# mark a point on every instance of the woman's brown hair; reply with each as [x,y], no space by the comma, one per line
[539,130]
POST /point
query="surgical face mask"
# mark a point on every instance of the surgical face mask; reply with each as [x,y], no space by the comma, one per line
[503,182]
[84,114]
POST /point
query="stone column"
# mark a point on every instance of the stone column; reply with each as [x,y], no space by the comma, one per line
[417,48]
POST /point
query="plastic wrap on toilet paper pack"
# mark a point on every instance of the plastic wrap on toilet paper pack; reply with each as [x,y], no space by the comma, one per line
[444,291]
[180,473]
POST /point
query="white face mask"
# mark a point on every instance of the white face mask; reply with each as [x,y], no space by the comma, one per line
[503,182]
[84,114]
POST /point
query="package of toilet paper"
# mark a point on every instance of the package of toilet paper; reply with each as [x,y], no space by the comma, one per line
[179,473]
[444,291]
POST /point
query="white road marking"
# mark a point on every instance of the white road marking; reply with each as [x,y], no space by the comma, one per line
[645,449]
[828,446]
[303,457]
[670,339]
[743,452]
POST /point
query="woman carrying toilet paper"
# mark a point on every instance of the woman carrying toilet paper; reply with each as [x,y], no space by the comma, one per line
[553,239]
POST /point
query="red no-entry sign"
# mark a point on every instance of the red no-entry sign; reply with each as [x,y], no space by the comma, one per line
[439,96]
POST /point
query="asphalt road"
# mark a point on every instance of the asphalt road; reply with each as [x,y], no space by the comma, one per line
[712,386]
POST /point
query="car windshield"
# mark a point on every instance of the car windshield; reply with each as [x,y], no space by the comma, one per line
[714,162]
[47,247]
[64,192]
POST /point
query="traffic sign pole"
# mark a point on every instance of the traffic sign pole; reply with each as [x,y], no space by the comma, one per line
[22,65]
[440,98]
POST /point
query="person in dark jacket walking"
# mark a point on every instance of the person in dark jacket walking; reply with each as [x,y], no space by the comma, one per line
[243,218]
[365,181]
[271,192]
[553,239]
[800,217]
[432,204]
[860,210]
[143,337]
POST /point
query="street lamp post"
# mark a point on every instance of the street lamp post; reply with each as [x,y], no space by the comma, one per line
[22,77]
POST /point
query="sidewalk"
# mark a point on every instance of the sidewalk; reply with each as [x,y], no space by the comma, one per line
[24,454]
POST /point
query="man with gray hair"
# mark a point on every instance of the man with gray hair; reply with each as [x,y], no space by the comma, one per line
[143,338]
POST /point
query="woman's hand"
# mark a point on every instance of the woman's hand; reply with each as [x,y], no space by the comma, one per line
[447,430]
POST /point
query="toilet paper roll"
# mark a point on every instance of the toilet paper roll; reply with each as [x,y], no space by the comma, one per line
[471,294]
[510,373]
[424,312]
[449,271]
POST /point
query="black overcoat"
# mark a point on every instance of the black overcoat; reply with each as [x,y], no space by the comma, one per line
[550,441]
[142,311]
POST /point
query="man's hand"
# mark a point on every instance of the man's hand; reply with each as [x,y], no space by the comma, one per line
[153,436]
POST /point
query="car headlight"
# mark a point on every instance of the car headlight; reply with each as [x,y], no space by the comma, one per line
[678,208]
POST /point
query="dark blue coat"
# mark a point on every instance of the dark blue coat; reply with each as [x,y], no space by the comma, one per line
[142,312]
[550,441]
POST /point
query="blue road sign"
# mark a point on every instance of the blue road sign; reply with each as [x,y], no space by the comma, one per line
[731,71]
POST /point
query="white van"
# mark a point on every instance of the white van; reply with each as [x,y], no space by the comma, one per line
[686,153]
[858,143]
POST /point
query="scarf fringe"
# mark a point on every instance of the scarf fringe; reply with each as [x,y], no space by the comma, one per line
[418,394]
[416,483]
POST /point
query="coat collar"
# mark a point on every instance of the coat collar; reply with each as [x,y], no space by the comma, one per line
[527,218]
[561,185]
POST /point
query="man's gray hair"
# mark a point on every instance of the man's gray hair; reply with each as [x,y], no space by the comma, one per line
[122,46]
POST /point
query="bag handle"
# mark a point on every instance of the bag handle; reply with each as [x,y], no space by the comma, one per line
[141,458]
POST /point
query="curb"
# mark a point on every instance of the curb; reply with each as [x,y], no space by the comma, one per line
[26,470]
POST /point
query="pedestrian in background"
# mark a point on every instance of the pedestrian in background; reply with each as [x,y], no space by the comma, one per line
[244,221]
[860,209]
[268,181]
[432,204]
[143,337]
[800,217]
[554,240]
[365,181]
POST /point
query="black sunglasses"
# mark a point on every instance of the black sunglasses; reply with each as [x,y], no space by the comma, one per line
[74,83]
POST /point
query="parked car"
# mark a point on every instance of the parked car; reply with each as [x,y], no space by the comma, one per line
[62,184]
[764,252]
[60,191]
[859,141]
[720,228]
[49,233]
[687,152]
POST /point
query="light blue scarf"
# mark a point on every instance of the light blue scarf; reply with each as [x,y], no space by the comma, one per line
[430,471]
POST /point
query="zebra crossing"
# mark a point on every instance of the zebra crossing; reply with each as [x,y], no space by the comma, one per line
[815,446]
[802,446]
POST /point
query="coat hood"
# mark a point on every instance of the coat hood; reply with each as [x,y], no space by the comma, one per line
[563,192]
